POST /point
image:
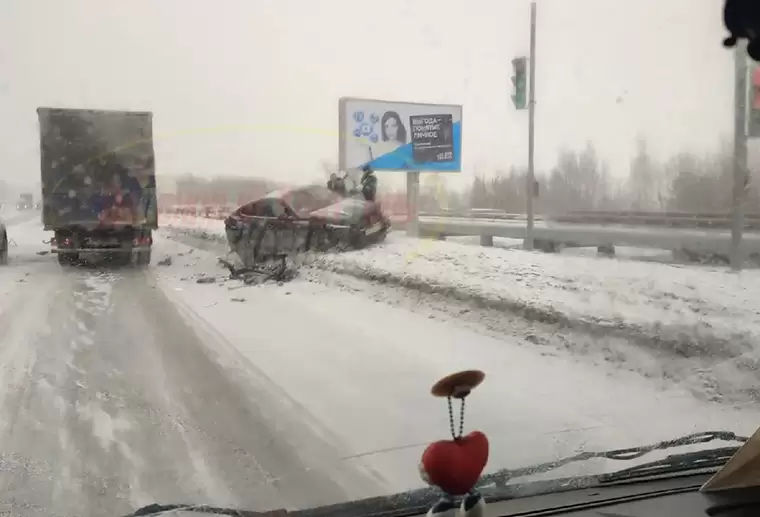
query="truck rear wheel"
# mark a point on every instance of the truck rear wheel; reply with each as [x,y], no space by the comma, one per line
[142,258]
[66,259]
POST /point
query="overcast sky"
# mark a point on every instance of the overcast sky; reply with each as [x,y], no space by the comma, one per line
[251,87]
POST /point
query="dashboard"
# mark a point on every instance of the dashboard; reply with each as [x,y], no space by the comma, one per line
[676,496]
[673,497]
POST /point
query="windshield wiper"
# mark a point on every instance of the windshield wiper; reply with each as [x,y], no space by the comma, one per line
[709,458]
[670,464]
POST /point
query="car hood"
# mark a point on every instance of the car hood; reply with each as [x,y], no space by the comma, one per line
[346,211]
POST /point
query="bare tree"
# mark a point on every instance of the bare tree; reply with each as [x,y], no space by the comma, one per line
[698,184]
[643,189]
[577,182]
[582,181]
[479,195]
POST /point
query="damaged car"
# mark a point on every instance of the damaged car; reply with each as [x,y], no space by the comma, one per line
[303,219]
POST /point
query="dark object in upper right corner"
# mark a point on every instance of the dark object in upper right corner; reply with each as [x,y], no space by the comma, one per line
[742,19]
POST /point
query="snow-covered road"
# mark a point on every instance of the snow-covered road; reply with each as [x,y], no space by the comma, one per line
[111,400]
[123,387]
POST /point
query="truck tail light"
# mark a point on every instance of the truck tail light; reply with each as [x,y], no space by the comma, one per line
[63,243]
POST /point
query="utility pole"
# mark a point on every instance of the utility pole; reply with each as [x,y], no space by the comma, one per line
[740,155]
[531,187]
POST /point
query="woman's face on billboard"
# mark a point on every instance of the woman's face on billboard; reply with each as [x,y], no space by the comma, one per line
[391,128]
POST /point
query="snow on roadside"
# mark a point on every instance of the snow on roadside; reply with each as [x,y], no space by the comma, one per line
[26,247]
[688,310]
[189,222]
[363,370]
[693,310]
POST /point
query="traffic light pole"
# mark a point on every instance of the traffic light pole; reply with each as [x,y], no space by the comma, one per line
[740,155]
[530,177]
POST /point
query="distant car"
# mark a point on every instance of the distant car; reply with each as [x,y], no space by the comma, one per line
[305,218]
[25,202]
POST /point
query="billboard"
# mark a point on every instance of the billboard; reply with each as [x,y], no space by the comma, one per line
[400,136]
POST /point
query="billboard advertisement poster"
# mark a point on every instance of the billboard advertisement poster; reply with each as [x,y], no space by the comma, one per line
[400,136]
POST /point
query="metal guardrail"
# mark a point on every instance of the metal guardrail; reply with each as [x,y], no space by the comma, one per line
[595,229]
[716,221]
[625,218]
[205,211]
[713,241]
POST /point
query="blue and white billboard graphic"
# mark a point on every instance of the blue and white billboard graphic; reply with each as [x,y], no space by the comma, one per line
[400,136]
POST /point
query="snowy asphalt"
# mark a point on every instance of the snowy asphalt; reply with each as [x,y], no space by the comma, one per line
[111,401]
[124,387]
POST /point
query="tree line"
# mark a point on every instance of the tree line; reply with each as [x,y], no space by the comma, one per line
[580,180]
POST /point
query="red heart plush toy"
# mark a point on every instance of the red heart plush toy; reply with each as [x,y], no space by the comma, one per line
[455,466]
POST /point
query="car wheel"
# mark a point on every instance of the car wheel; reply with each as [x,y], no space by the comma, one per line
[359,239]
[249,246]
[318,239]
[4,251]
[334,241]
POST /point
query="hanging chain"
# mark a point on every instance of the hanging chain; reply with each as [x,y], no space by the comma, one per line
[451,419]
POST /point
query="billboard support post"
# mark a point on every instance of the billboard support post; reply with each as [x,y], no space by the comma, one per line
[530,177]
[412,203]
[740,155]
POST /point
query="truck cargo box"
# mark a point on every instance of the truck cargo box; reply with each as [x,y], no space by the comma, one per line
[98,169]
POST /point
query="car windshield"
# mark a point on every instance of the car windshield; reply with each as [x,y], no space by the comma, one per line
[241,241]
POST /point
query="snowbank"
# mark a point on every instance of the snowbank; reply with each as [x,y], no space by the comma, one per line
[206,229]
[690,310]
[362,371]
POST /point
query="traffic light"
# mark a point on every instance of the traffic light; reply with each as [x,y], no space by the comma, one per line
[754,101]
[520,83]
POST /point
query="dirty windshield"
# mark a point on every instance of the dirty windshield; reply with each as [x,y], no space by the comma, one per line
[241,241]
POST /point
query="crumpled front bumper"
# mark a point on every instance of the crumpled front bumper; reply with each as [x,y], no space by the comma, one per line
[100,250]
